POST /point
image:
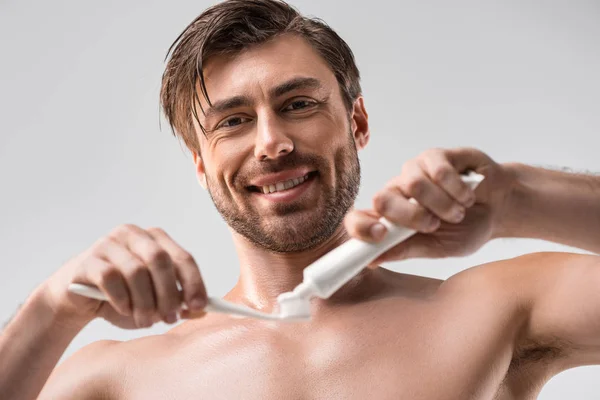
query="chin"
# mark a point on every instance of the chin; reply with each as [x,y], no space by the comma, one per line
[296,238]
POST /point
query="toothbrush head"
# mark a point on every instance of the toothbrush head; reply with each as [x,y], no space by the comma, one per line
[293,307]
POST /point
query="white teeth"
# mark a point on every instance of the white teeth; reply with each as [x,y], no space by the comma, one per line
[279,186]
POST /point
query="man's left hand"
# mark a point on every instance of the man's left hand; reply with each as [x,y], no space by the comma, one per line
[451,219]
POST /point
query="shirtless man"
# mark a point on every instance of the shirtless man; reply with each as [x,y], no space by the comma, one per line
[290,107]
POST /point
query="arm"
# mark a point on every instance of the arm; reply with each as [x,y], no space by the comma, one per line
[514,200]
[31,345]
[560,293]
[556,206]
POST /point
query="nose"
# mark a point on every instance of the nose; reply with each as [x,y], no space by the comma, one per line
[272,140]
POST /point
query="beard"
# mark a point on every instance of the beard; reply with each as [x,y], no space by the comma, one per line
[291,230]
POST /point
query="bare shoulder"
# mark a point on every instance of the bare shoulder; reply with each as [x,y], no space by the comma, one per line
[497,278]
[103,370]
[530,286]
[107,370]
[90,373]
[507,276]
[502,275]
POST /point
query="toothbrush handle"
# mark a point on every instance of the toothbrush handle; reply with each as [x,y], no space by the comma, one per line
[214,304]
[326,275]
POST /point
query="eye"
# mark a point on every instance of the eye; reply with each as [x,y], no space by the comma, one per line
[231,122]
[299,105]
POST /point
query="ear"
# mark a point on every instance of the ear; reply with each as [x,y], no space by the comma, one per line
[200,172]
[360,123]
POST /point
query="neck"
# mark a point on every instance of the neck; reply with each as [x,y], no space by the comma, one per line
[264,275]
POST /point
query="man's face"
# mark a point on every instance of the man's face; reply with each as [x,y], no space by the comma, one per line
[278,121]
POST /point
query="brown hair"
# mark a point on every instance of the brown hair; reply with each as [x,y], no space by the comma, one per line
[230,27]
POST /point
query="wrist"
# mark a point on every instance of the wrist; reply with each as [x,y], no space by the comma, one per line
[516,201]
[63,319]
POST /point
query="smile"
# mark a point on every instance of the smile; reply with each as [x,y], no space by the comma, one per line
[285,191]
[282,185]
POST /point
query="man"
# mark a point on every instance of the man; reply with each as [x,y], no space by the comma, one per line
[269,103]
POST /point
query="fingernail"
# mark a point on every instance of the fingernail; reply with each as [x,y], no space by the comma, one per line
[458,215]
[171,318]
[197,304]
[432,224]
[378,231]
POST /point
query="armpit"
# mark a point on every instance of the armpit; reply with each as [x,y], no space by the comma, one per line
[536,352]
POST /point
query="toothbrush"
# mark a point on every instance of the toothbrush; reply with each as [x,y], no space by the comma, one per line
[320,279]
[214,304]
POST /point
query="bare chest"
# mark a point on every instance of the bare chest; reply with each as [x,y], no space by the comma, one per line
[379,354]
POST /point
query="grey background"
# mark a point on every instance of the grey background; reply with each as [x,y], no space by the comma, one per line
[81,150]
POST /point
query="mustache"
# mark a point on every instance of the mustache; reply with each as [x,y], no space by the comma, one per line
[290,161]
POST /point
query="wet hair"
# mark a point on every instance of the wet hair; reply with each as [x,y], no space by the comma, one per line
[230,27]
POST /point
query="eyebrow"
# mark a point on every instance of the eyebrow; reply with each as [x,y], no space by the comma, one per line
[294,84]
[224,105]
[227,104]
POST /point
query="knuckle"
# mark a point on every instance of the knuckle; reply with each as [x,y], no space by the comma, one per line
[432,152]
[102,244]
[156,229]
[108,273]
[157,254]
[136,270]
[124,228]
[409,166]
[183,257]
[161,267]
[441,174]
[380,201]
[415,186]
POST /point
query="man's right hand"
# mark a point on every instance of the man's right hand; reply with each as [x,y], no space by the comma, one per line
[137,270]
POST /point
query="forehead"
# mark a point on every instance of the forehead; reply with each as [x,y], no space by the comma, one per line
[255,70]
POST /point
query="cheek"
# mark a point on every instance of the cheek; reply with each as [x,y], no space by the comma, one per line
[323,132]
[226,161]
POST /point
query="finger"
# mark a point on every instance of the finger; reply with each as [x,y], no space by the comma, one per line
[127,253]
[189,314]
[162,272]
[186,270]
[107,278]
[468,158]
[413,182]
[395,207]
[364,225]
[447,177]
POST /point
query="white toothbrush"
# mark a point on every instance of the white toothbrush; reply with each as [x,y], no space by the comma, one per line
[321,279]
